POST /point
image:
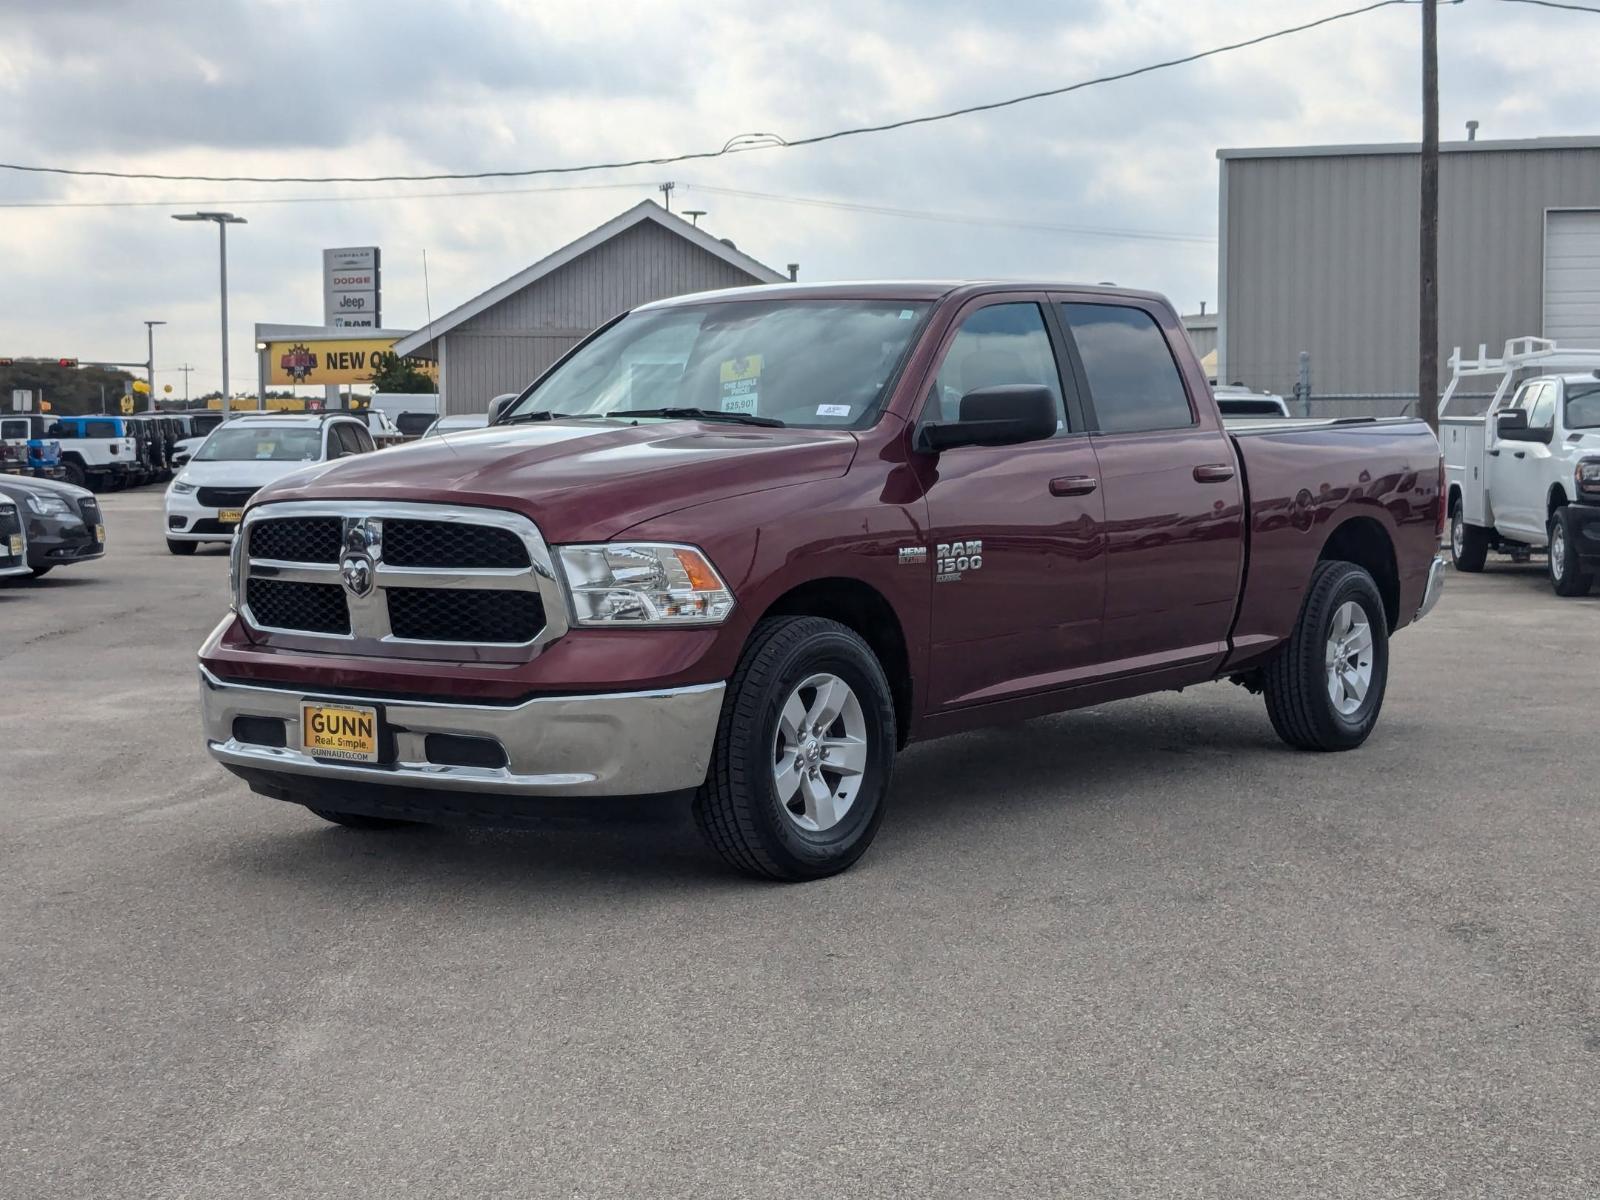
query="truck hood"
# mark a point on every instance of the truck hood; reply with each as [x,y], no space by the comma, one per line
[582,480]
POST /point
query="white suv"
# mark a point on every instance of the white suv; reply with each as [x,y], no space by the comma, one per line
[241,456]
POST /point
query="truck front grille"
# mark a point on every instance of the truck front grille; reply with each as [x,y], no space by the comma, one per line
[419,580]
[297,539]
[219,497]
[459,615]
[310,607]
[449,544]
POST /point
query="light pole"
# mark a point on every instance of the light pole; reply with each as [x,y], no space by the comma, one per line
[150,359]
[223,220]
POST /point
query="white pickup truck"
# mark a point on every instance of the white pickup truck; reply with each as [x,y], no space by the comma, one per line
[1525,475]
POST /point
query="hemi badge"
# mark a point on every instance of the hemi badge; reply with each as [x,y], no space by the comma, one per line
[913,554]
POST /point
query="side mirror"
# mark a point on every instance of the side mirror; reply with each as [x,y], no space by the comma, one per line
[1005,415]
[1512,426]
[499,403]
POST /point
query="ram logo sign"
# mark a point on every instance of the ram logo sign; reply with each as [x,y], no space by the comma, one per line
[954,559]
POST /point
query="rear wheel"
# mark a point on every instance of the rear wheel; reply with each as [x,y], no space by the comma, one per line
[358,820]
[1325,687]
[1566,569]
[177,547]
[800,768]
[1469,544]
[74,474]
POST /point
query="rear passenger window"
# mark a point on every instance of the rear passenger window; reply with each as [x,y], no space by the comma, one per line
[362,438]
[1133,381]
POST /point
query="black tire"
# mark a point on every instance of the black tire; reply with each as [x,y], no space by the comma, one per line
[358,820]
[74,474]
[1469,544]
[738,808]
[1569,579]
[1296,680]
[177,547]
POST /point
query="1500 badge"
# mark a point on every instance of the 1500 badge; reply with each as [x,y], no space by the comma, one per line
[952,559]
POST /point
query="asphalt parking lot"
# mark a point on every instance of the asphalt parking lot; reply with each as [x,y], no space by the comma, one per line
[1137,950]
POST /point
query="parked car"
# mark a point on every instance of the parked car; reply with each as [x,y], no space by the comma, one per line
[1241,402]
[383,430]
[63,522]
[1525,475]
[457,423]
[410,412]
[97,452]
[747,544]
[13,540]
[206,500]
[26,439]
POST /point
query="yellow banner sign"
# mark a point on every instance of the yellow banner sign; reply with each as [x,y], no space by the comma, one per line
[353,360]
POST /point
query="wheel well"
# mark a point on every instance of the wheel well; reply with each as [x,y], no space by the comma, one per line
[1556,499]
[862,608]
[1454,500]
[1363,541]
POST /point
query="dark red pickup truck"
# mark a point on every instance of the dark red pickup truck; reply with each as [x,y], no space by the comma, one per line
[746,545]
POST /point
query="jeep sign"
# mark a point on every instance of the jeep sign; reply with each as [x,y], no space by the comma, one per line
[351,287]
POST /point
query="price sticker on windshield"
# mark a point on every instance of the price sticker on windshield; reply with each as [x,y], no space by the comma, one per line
[741,384]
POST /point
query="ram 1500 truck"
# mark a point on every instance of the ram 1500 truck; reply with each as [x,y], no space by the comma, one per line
[747,545]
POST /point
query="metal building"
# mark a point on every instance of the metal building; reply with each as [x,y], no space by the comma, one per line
[1318,253]
[503,338]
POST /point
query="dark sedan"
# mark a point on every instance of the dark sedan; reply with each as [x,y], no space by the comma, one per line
[64,522]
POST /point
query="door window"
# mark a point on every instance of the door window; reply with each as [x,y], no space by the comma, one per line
[999,344]
[1134,382]
[1542,413]
[13,429]
[362,438]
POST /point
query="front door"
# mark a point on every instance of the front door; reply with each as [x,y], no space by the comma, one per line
[1016,552]
[1517,471]
[1173,498]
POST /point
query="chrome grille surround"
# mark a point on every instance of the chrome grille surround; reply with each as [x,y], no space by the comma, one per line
[370,631]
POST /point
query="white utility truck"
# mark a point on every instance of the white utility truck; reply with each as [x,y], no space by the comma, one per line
[1525,475]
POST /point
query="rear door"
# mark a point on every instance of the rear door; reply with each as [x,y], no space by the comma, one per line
[1173,498]
[1015,555]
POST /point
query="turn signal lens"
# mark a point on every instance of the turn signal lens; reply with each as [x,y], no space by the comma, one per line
[642,584]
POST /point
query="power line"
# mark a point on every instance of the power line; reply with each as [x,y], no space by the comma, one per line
[333,199]
[956,218]
[741,143]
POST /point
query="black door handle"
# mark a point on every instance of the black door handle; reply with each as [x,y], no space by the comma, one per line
[1213,473]
[1520,454]
[1073,485]
[1494,454]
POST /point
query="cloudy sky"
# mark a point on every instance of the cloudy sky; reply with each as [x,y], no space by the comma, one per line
[1118,182]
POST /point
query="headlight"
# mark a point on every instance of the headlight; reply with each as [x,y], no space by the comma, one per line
[48,505]
[181,488]
[1588,475]
[235,561]
[641,583]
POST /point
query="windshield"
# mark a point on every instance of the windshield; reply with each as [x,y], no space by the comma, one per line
[262,444]
[1583,406]
[816,363]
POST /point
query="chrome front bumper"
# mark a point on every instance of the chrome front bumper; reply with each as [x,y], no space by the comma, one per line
[1430,594]
[622,744]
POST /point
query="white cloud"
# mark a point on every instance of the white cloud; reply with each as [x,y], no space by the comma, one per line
[412,86]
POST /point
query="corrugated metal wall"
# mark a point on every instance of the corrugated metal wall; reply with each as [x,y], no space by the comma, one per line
[504,347]
[1320,254]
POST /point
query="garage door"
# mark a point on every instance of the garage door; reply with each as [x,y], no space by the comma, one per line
[1572,278]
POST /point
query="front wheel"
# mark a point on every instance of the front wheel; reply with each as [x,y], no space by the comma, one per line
[1325,686]
[1469,544]
[1566,569]
[74,474]
[177,547]
[800,769]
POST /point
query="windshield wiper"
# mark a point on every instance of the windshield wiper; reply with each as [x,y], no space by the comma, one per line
[538,414]
[699,414]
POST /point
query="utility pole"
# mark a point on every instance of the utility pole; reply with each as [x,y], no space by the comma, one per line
[150,360]
[186,368]
[666,193]
[1428,263]
[223,220]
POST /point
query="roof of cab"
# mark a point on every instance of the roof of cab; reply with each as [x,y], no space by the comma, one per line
[895,289]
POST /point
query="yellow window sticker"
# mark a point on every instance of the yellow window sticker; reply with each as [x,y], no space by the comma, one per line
[741,382]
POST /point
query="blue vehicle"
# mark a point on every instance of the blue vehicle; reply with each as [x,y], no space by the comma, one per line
[29,446]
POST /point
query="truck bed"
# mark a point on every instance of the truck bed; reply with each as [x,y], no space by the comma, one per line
[1302,478]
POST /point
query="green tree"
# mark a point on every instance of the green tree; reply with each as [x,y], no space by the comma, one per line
[400,375]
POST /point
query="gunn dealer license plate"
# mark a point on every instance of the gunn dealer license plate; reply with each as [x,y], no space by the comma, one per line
[230,516]
[346,731]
